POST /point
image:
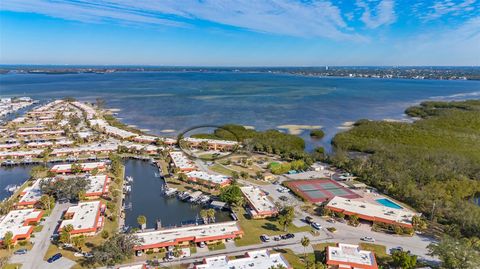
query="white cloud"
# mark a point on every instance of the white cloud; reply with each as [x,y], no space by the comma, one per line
[284,17]
[444,7]
[383,13]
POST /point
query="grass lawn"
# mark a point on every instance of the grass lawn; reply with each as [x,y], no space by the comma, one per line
[38,228]
[295,261]
[322,246]
[221,169]
[253,228]
[379,250]
[217,246]
[12,266]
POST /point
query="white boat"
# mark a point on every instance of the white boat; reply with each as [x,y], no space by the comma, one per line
[129,179]
[157,174]
[170,191]
[12,188]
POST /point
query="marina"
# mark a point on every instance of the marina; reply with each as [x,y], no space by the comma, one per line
[150,198]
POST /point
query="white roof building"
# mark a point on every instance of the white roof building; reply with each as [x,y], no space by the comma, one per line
[98,185]
[85,217]
[210,141]
[260,205]
[196,233]
[259,259]
[18,222]
[181,161]
[212,178]
[32,194]
[65,168]
[350,257]
[371,212]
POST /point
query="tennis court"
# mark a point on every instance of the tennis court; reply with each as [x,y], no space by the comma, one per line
[320,190]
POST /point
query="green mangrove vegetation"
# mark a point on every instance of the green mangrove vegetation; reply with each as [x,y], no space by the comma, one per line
[432,164]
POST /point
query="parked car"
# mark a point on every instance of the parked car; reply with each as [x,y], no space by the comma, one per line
[308,219]
[54,257]
[202,244]
[265,238]
[316,225]
[277,238]
[331,220]
[283,198]
[368,239]
[88,255]
[393,250]
[288,236]
[20,252]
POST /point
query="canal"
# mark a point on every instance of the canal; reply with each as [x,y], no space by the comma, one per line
[13,175]
[147,198]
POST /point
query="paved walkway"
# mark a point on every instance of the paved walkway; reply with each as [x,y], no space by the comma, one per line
[34,258]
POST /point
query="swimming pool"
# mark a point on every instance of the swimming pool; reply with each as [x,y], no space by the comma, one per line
[387,202]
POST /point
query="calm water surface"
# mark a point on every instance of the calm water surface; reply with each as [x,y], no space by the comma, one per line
[176,101]
[14,175]
[147,199]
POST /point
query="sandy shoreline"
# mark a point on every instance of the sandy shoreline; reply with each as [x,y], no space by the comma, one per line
[297,129]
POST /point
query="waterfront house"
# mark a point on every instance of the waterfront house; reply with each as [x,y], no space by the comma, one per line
[85,167]
[185,235]
[182,162]
[31,195]
[207,179]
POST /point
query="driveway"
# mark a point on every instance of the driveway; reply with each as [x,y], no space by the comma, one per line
[34,258]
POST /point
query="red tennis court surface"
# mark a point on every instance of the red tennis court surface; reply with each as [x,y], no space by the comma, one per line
[320,190]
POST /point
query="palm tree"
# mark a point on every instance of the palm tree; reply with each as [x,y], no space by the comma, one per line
[45,201]
[305,243]
[142,220]
[204,215]
[65,236]
[211,215]
[8,240]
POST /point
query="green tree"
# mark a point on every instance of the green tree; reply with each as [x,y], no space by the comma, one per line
[403,260]
[305,241]
[65,236]
[353,220]
[116,249]
[456,253]
[232,195]
[204,215]
[211,215]
[8,240]
[78,241]
[286,216]
[45,201]
[37,171]
[142,221]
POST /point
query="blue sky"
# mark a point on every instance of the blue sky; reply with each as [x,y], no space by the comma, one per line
[240,32]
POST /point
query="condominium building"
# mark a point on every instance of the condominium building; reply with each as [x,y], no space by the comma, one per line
[260,206]
[259,259]
[346,256]
[86,218]
[20,223]
[206,233]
